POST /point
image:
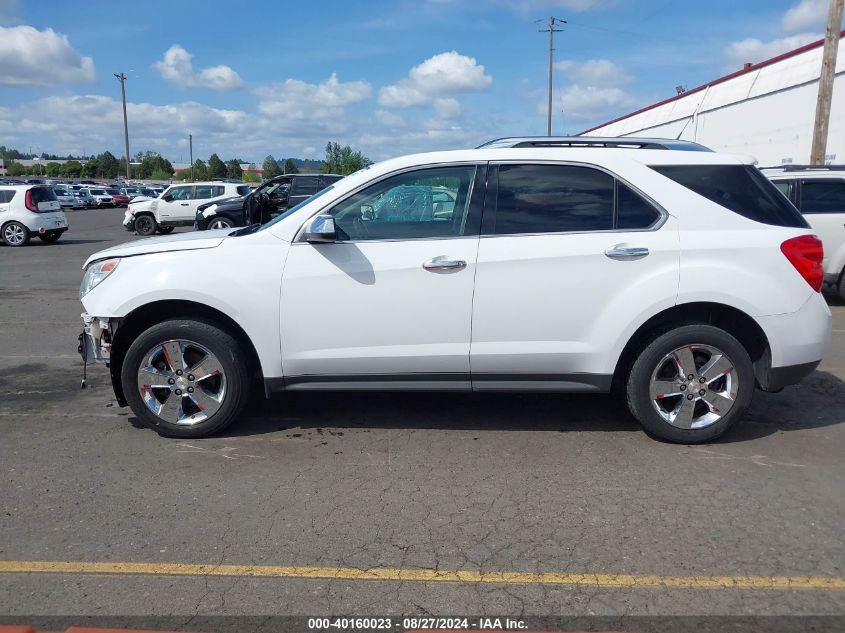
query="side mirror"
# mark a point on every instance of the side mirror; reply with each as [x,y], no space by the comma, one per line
[321,229]
[367,212]
[167,198]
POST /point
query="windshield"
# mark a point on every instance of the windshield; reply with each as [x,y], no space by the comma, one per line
[295,208]
[98,192]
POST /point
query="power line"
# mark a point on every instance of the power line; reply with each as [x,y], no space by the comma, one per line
[551,30]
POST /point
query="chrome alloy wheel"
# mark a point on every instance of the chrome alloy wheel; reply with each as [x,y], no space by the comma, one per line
[181,382]
[220,224]
[694,386]
[14,234]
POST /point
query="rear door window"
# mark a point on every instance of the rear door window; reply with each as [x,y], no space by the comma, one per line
[6,195]
[739,188]
[823,196]
[306,186]
[204,192]
[632,210]
[553,199]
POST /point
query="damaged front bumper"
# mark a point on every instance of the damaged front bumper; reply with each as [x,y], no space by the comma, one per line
[96,339]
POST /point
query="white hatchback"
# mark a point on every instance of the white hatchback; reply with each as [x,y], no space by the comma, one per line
[677,277]
[30,210]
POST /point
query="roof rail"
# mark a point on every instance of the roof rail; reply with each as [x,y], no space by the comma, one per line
[624,142]
[792,167]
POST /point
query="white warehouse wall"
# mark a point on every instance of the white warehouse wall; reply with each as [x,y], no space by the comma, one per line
[767,112]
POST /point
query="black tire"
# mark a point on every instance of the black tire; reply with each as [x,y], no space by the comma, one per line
[840,287]
[145,224]
[232,364]
[638,388]
[15,234]
[164,230]
[50,238]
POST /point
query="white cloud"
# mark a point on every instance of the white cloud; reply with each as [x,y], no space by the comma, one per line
[177,68]
[438,77]
[587,103]
[574,5]
[29,57]
[594,72]
[752,50]
[320,104]
[389,119]
[447,108]
[805,14]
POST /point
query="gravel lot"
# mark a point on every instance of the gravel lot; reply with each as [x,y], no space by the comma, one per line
[494,483]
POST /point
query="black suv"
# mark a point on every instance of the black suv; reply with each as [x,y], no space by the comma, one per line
[273,197]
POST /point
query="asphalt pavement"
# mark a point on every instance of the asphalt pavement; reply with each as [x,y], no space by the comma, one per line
[389,504]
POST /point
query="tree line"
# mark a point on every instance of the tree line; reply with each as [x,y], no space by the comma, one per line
[152,165]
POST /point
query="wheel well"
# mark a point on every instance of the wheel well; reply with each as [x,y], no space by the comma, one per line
[140,319]
[733,321]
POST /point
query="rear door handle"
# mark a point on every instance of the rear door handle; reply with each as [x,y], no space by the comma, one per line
[626,252]
[444,263]
[184,204]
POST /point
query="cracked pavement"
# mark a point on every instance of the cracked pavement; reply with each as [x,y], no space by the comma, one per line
[528,483]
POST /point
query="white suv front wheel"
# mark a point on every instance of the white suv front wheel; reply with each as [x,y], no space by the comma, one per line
[690,384]
[185,378]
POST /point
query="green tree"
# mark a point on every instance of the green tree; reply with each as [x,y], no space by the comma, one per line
[107,166]
[53,169]
[343,160]
[71,169]
[160,174]
[233,169]
[14,168]
[216,167]
[251,176]
[290,167]
[90,168]
[270,167]
[200,170]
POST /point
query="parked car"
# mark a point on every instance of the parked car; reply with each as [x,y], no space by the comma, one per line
[819,193]
[177,206]
[118,199]
[102,198]
[30,210]
[680,279]
[260,205]
[88,201]
[67,199]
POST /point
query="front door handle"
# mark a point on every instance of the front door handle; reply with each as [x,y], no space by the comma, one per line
[626,252]
[444,263]
[184,204]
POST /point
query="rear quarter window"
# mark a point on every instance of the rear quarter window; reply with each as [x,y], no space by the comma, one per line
[739,188]
[6,195]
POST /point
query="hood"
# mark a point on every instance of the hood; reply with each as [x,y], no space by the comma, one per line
[164,244]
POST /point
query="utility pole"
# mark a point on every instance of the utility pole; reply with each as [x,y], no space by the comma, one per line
[191,154]
[551,31]
[831,46]
[122,79]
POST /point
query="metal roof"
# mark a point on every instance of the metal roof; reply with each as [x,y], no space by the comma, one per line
[794,68]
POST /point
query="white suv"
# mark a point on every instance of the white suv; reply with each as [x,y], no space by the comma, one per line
[819,193]
[29,210]
[176,206]
[681,279]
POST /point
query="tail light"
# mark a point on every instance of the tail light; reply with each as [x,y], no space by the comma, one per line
[806,253]
[29,203]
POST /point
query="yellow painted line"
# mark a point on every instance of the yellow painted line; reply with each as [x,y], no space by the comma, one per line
[823,583]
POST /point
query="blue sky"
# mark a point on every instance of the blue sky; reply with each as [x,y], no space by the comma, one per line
[283,78]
